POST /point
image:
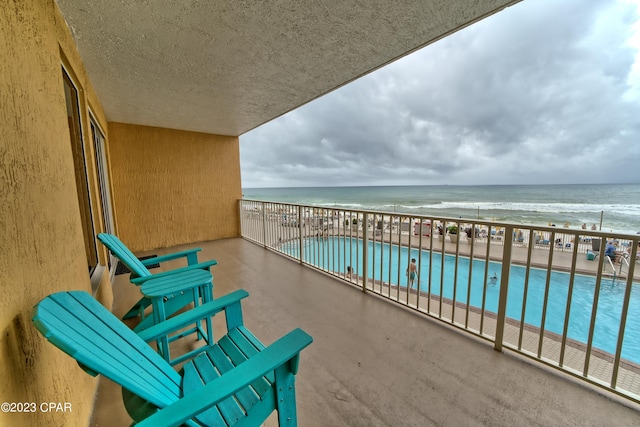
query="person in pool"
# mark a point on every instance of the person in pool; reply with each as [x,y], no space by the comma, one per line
[493,279]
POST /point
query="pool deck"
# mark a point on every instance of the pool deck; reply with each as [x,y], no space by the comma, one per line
[374,363]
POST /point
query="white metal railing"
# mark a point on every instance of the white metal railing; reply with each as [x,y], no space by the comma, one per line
[545,292]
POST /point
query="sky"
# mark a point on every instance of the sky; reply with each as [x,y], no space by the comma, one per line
[544,92]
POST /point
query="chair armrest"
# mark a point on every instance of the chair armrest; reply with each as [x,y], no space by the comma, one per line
[206,265]
[277,354]
[190,254]
[193,315]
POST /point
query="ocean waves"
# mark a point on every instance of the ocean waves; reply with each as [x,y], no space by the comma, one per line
[555,208]
[610,207]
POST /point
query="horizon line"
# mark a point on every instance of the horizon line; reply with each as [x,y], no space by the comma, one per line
[442,185]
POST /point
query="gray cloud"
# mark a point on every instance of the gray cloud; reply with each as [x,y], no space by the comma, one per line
[539,93]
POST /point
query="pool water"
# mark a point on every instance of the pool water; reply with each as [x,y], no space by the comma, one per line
[335,254]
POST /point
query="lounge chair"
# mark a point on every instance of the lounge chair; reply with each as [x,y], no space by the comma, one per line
[141,274]
[234,381]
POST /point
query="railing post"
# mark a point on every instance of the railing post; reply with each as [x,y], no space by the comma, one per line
[241,217]
[504,287]
[300,230]
[365,252]
[264,225]
[623,316]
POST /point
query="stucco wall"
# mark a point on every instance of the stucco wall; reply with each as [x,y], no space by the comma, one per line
[173,187]
[41,243]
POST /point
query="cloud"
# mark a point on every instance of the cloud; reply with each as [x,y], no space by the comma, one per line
[544,92]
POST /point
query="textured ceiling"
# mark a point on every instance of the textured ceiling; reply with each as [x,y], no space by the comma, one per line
[226,67]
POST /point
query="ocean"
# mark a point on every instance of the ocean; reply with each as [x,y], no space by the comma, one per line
[617,204]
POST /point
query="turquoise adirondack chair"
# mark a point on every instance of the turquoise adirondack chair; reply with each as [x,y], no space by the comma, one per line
[236,381]
[140,274]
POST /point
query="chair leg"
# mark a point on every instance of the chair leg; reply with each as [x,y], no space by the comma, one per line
[286,396]
[138,309]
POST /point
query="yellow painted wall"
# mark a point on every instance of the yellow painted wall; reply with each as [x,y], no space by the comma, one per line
[173,187]
[41,243]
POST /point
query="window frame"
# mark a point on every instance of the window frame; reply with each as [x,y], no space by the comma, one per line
[81,168]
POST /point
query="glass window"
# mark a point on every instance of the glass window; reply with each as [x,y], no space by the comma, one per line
[103,181]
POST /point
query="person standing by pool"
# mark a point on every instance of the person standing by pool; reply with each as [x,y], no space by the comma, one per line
[412,271]
[610,251]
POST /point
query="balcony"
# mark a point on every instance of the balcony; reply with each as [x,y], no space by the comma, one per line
[374,362]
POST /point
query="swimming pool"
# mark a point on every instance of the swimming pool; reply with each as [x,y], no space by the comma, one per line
[336,253]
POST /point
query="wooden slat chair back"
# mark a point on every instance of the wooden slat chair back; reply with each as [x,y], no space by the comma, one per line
[81,327]
[235,381]
[122,252]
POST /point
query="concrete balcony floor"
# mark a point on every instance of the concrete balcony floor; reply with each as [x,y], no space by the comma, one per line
[375,363]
